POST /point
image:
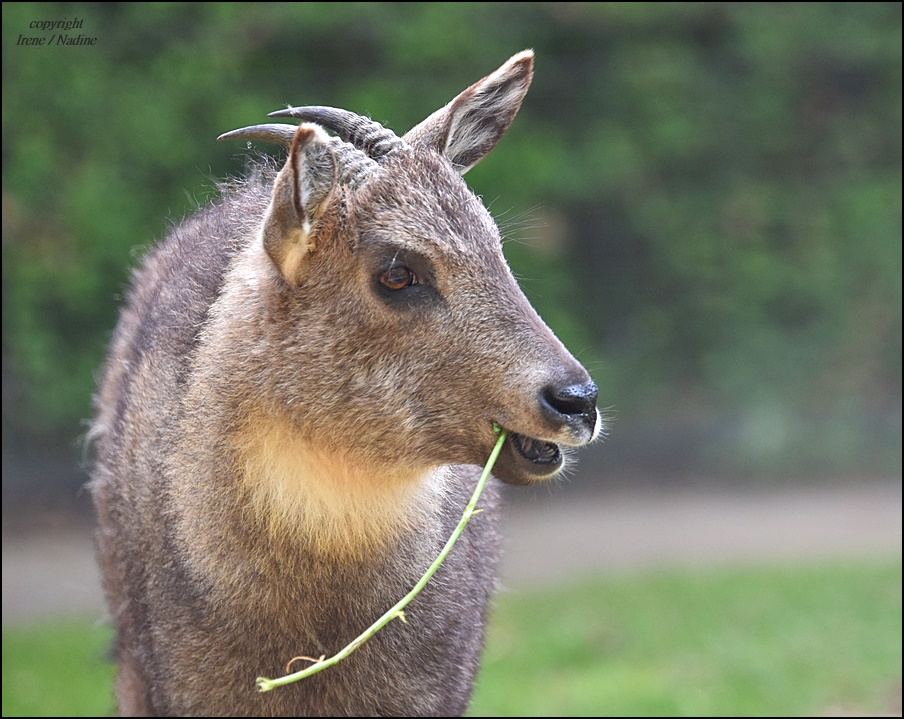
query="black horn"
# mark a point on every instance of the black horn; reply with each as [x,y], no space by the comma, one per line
[353,164]
[362,132]
[277,134]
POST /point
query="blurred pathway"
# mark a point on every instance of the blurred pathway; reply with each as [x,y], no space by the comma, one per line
[564,537]
[550,538]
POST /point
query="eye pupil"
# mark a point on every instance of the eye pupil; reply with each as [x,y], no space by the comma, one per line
[398,278]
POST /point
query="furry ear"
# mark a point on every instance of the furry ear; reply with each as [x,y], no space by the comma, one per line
[299,195]
[466,129]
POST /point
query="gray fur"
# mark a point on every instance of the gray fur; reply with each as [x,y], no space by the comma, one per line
[284,444]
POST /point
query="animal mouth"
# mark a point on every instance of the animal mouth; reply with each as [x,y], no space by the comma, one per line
[536,451]
[525,460]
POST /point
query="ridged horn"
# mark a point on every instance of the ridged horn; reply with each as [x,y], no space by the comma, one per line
[362,132]
[352,164]
[277,134]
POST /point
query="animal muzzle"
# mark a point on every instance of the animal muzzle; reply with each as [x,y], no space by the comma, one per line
[569,410]
[573,408]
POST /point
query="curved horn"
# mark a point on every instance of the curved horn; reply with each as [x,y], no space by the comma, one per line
[353,164]
[360,131]
[277,134]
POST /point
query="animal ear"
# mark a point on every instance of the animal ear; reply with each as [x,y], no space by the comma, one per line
[466,129]
[300,193]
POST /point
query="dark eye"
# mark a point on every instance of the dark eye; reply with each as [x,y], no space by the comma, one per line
[398,278]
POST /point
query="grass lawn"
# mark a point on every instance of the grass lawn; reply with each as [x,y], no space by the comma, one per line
[768,641]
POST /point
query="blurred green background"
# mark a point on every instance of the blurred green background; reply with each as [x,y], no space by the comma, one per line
[792,641]
[704,200]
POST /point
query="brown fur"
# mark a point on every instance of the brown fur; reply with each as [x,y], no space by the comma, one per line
[284,444]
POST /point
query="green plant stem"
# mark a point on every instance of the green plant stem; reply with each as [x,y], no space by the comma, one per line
[395,611]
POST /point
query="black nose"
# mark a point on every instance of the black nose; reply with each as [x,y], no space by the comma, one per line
[576,400]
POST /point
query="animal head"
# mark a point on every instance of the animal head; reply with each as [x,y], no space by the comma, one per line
[402,334]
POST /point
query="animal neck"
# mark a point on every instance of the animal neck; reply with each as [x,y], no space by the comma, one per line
[328,500]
